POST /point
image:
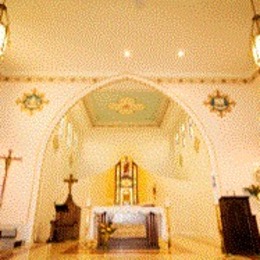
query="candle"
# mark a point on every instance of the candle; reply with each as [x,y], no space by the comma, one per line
[88,202]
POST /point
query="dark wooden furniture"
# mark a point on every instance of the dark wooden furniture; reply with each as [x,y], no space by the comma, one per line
[239,227]
[152,231]
[66,225]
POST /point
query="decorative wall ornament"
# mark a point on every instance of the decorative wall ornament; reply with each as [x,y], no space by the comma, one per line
[177,139]
[62,127]
[219,103]
[197,144]
[126,106]
[71,160]
[180,161]
[32,101]
[183,141]
[55,142]
[190,127]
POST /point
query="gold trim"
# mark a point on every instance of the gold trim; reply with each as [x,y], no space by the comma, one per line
[158,80]
[51,79]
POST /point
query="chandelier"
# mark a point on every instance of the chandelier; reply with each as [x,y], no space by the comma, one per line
[255,32]
[4,28]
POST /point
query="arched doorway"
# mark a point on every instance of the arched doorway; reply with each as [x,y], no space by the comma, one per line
[188,191]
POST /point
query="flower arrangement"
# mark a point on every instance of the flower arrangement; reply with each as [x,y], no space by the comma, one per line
[253,190]
[105,231]
[107,228]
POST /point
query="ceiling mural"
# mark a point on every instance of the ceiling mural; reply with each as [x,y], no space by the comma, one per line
[136,105]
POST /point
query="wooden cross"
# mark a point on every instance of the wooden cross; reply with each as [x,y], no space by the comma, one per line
[70,182]
[8,159]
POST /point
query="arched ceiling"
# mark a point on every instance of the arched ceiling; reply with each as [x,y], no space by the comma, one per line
[81,38]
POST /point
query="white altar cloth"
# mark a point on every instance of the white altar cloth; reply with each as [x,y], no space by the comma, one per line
[129,215]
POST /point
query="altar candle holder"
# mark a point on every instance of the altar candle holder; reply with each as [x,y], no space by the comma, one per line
[167,205]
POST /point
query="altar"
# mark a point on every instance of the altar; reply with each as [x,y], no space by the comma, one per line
[130,215]
[127,211]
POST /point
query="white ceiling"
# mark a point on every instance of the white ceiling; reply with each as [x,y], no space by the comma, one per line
[88,37]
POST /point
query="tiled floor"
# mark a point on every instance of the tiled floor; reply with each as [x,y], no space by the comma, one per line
[182,248]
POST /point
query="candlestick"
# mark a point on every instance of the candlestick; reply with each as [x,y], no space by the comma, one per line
[88,202]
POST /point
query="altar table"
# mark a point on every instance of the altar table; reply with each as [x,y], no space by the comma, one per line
[129,215]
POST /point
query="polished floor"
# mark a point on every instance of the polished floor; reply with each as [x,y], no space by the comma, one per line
[182,248]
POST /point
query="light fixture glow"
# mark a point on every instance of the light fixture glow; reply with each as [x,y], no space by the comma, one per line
[181,54]
[256,49]
[4,28]
[255,35]
[127,54]
[3,39]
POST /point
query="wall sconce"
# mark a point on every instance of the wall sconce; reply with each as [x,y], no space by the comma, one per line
[255,34]
[4,28]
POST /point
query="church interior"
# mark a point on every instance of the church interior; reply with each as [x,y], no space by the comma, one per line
[129,129]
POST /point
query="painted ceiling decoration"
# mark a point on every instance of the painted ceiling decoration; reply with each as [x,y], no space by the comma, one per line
[126,106]
[126,103]
[219,103]
[32,101]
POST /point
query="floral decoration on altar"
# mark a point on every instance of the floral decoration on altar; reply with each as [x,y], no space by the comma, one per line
[105,231]
[126,106]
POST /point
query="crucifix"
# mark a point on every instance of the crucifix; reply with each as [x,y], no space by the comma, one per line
[8,159]
[70,182]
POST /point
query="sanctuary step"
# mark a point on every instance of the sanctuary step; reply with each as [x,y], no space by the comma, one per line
[128,243]
[129,231]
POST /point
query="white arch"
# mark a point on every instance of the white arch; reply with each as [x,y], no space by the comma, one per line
[82,93]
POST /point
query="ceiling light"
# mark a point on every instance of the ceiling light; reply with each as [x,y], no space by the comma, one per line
[127,54]
[255,34]
[181,54]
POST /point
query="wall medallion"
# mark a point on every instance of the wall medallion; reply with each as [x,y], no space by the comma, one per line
[32,101]
[219,103]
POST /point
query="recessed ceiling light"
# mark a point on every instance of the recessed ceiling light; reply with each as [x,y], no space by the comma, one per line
[127,54]
[181,54]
